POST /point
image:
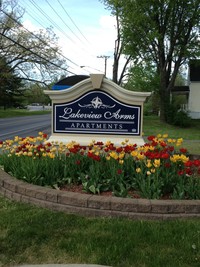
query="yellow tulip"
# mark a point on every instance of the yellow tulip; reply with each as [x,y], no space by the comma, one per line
[53,149]
[148,164]
[30,154]
[141,156]
[108,143]
[121,155]
[176,158]
[51,155]
[138,170]
[121,161]
[156,163]
[151,148]
[134,153]
[184,159]
[16,139]
[114,155]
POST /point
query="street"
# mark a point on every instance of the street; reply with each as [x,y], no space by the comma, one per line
[24,126]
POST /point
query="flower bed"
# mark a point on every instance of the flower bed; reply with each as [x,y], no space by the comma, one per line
[161,168]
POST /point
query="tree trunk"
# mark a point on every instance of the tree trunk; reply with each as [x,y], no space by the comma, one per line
[164,99]
[115,70]
[162,106]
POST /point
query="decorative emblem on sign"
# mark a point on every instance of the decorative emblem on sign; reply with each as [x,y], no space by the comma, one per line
[96,103]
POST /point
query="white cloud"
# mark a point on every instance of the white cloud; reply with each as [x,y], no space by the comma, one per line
[101,41]
[107,22]
[30,26]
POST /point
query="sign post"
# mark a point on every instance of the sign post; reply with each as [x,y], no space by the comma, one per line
[97,109]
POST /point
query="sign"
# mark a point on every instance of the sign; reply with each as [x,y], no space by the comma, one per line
[97,112]
[95,108]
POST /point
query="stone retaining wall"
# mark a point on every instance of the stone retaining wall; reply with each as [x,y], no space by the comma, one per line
[94,205]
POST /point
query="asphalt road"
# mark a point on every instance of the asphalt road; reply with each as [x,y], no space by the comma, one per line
[24,126]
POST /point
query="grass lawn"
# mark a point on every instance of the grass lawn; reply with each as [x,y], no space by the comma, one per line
[30,235]
[9,113]
[153,126]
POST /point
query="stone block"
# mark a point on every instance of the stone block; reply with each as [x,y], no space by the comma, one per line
[2,191]
[99,202]
[40,193]
[159,206]
[8,194]
[144,206]
[73,199]
[38,202]
[25,199]
[193,206]
[21,188]
[9,184]
[16,197]
[124,204]
[52,195]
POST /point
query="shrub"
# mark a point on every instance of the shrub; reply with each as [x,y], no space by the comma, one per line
[182,119]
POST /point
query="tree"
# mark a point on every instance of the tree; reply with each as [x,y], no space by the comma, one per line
[118,52]
[144,78]
[35,94]
[34,56]
[10,85]
[118,75]
[163,32]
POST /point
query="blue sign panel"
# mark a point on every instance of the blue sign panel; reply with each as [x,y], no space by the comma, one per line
[97,112]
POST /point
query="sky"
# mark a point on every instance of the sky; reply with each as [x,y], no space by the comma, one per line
[85,28]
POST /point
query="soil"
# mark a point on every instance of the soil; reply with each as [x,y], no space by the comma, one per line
[79,189]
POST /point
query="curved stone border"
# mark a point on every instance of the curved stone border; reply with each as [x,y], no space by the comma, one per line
[93,205]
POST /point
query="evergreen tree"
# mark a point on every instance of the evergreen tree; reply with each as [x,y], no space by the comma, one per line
[10,85]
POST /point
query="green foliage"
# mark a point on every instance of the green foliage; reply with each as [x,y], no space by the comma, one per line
[10,86]
[151,106]
[143,77]
[172,110]
[180,79]
[35,94]
[150,186]
[182,119]
[153,170]
[177,116]
[191,189]
[164,34]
